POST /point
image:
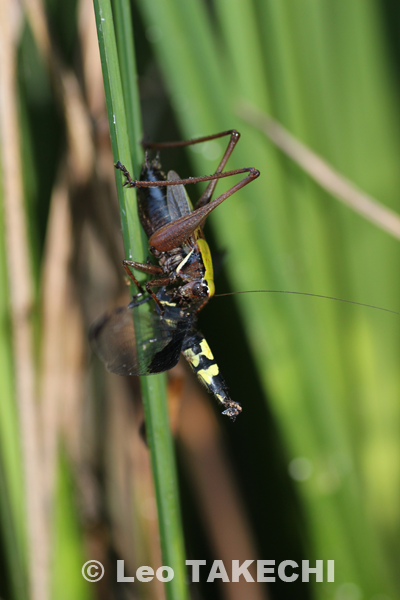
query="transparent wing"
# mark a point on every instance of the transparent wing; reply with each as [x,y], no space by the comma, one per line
[113,339]
[178,201]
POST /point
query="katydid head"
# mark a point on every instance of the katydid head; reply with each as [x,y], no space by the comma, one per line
[195,290]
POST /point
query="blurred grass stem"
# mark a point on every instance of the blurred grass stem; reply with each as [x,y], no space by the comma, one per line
[21,303]
[327,177]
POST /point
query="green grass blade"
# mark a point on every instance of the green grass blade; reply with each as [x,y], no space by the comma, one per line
[127,61]
[68,544]
[153,387]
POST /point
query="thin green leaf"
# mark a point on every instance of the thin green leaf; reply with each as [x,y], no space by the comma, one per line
[153,387]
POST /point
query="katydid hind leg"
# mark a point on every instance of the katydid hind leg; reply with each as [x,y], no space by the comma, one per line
[173,234]
[183,143]
[234,138]
[208,192]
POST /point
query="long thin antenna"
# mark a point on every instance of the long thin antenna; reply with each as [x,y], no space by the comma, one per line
[308,294]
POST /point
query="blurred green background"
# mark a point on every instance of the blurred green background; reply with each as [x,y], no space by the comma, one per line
[311,469]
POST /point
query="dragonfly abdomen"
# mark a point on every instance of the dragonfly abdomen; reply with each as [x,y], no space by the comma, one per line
[198,354]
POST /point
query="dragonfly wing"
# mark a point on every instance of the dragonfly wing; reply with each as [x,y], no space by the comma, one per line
[113,339]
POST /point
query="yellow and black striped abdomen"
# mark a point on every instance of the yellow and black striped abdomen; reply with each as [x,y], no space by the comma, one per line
[198,353]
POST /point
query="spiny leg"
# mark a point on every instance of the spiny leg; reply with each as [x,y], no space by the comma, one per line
[183,143]
[234,138]
[126,265]
[160,282]
[136,183]
[145,268]
[173,234]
